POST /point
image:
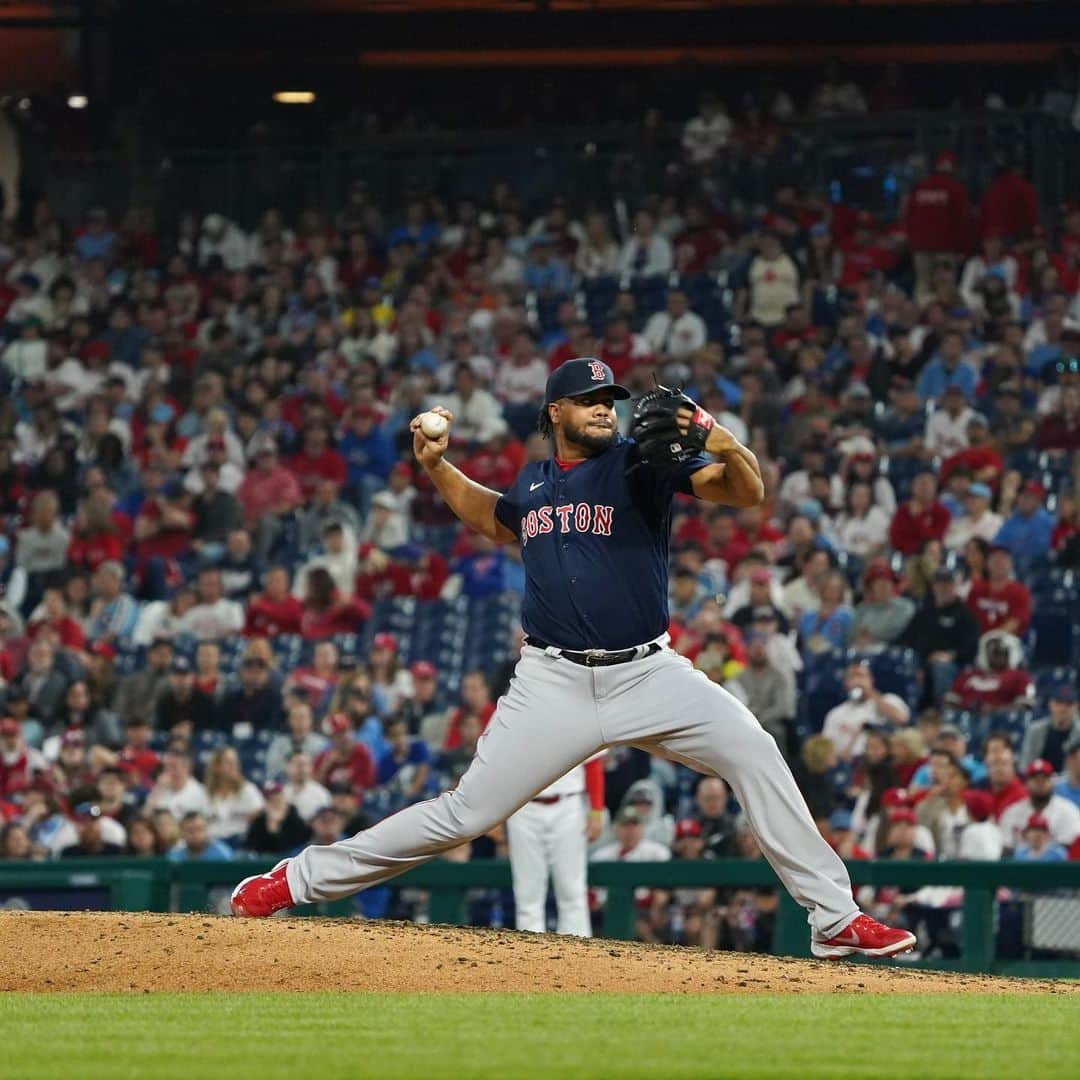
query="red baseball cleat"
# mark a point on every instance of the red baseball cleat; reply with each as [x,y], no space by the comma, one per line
[863,936]
[262,895]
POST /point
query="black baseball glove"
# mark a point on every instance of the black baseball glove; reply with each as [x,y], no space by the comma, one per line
[656,427]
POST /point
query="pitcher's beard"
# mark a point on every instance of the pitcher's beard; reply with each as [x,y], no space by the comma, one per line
[587,440]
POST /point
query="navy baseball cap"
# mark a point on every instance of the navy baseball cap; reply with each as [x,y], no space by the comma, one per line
[578,377]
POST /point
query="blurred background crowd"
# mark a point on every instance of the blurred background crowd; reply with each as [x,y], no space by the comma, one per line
[237,618]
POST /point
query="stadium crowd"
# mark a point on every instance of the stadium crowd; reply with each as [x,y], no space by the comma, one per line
[236,616]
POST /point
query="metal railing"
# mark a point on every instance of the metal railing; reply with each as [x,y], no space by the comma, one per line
[865,160]
[159,885]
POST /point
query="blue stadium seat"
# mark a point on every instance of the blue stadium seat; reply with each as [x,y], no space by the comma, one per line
[1056,638]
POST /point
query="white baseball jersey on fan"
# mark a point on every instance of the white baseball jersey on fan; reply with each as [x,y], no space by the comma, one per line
[547,839]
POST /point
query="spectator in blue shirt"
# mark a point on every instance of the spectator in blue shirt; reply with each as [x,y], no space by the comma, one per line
[415,228]
[195,844]
[1037,845]
[947,369]
[403,773]
[369,454]
[483,572]
[97,240]
[1026,532]
[545,272]
[1068,787]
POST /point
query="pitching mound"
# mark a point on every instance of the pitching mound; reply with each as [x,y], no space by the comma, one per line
[58,951]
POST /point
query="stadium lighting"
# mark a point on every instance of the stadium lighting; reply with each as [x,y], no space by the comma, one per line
[295,97]
[78,101]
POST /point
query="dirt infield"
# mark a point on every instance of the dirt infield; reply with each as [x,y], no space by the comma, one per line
[59,951]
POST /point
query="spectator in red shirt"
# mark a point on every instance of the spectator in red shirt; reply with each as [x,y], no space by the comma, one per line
[1002,784]
[999,601]
[579,342]
[317,460]
[1009,206]
[95,537]
[997,680]
[275,610]
[20,764]
[320,677]
[497,460]
[325,614]
[985,463]
[1060,430]
[345,761]
[135,757]
[163,528]
[937,220]
[919,519]
[620,349]
[475,701]
[269,494]
[55,617]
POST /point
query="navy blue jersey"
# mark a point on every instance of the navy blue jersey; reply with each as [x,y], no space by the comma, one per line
[594,542]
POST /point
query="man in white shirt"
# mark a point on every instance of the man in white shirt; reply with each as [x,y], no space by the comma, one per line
[1062,815]
[774,283]
[706,134]
[845,724]
[472,406]
[630,845]
[214,616]
[301,789]
[979,520]
[645,254]
[177,790]
[678,331]
[947,428]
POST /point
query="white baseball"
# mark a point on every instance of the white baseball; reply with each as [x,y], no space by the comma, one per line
[433,425]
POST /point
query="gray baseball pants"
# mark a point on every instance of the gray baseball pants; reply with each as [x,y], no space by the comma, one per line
[557,714]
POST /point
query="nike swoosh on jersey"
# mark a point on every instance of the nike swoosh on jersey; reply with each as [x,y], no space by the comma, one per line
[533,487]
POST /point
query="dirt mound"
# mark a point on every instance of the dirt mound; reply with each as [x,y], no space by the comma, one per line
[57,951]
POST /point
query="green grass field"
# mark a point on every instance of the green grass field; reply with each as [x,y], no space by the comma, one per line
[191,1036]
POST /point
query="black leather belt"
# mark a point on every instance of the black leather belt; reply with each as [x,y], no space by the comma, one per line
[596,657]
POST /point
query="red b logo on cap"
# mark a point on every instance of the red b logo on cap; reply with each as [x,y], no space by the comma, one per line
[597,369]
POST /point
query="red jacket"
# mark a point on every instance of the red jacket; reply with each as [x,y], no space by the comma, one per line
[358,770]
[88,551]
[308,470]
[910,530]
[268,618]
[976,458]
[1009,208]
[993,606]
[976,689]
[938,216]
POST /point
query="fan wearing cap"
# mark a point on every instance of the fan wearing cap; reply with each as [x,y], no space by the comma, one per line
[1062,816]
[980,455]
[977,519]
[1037,844]
[87,817]
[1027,530]
[1048,738]
[346,760]
[881,617]
[937,220]
[593,523]
[686,916]
[20,765]
[631,845]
